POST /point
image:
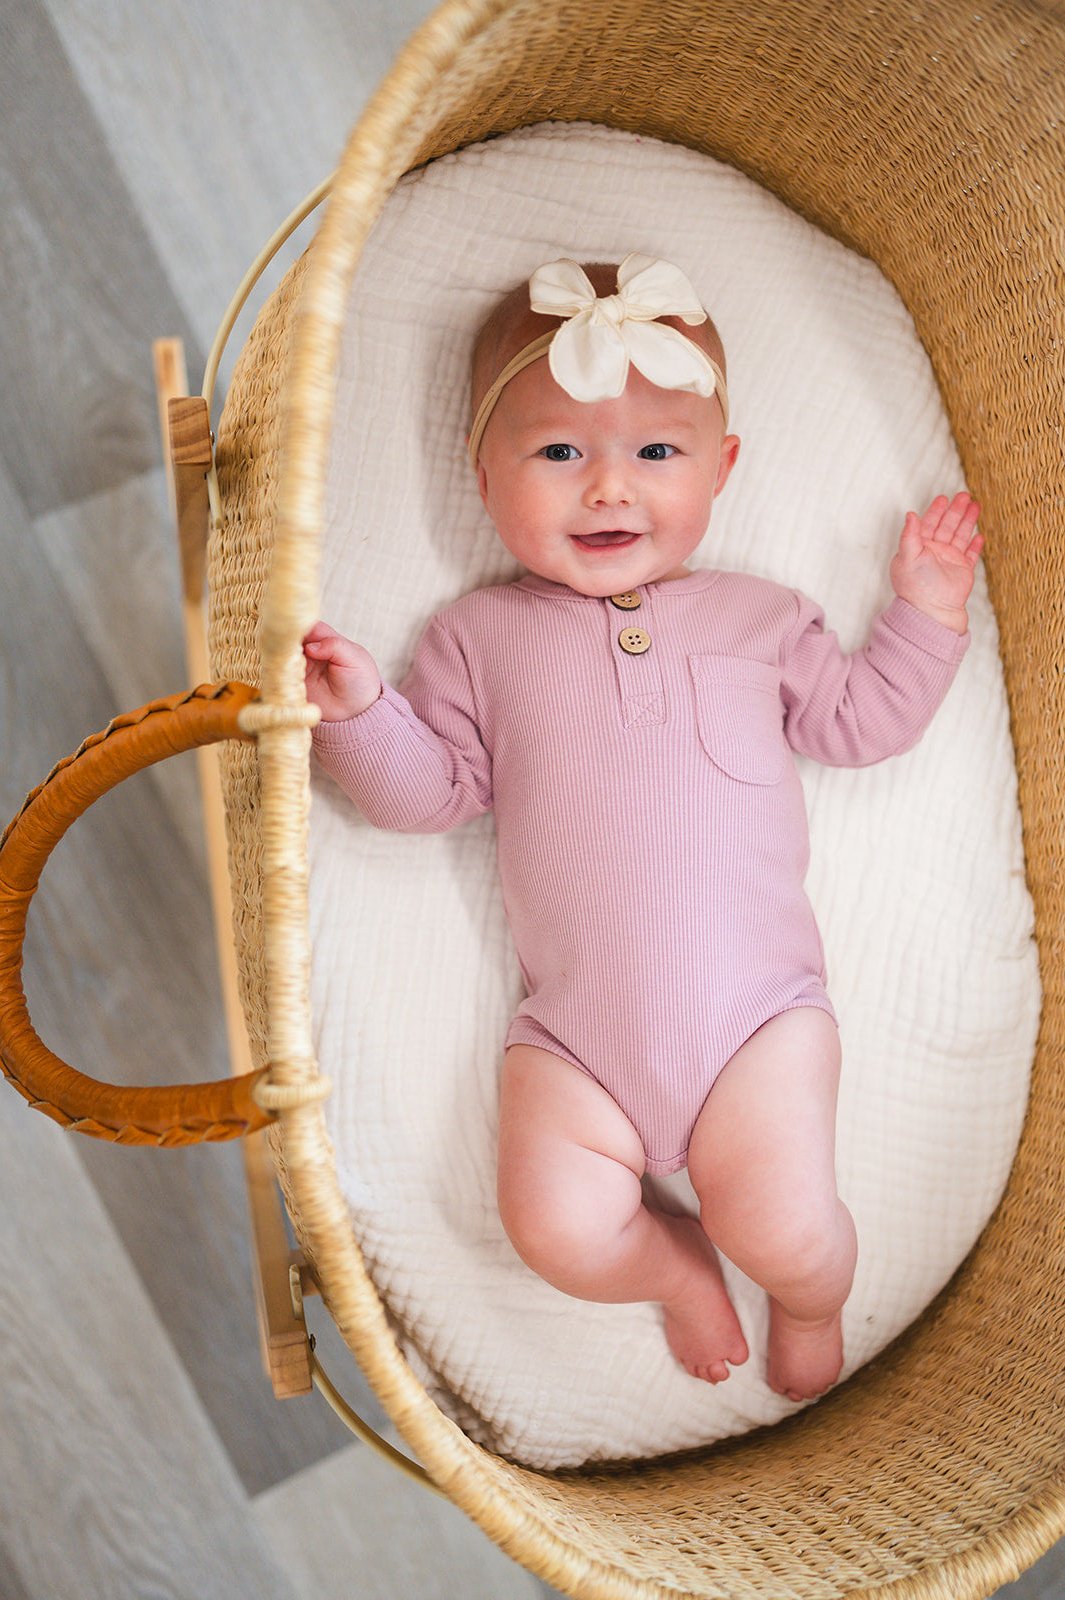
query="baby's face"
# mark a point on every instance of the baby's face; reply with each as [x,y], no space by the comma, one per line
[603,496]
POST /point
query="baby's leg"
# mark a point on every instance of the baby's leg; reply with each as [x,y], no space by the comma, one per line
[762,1161]
[570,1163]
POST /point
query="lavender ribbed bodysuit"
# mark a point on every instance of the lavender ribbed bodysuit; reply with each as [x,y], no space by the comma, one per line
[651,826]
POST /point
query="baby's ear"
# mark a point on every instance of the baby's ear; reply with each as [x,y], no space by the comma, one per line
[730,449]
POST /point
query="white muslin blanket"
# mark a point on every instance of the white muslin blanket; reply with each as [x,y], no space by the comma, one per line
[917,871]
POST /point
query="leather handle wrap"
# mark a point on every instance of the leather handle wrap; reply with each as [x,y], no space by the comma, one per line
[186,1114]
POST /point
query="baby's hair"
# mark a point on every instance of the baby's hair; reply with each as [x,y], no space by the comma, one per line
[512,324]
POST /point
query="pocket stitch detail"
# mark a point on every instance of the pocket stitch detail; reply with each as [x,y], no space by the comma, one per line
[740,716]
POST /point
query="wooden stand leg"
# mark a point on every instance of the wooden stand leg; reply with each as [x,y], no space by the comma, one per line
[187,451]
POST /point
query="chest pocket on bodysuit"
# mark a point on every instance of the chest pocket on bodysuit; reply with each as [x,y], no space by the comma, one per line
[740,716]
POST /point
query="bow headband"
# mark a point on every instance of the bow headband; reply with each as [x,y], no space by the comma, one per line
[590,351]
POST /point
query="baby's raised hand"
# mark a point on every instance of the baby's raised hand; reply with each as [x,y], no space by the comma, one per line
[936,559]
[341,677]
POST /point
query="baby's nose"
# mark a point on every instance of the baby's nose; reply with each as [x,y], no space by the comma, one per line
[609,484]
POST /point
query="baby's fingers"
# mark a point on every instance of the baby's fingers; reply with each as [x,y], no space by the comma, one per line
[951,522]
[325,645]
[316,641]
[976,544]
[960,520]
[318,630]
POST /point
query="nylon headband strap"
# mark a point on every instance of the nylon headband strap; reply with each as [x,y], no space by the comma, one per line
[525,358]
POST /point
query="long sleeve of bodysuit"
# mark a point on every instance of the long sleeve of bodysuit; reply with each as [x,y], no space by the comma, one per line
[419,761]
[854,710]
[414,773]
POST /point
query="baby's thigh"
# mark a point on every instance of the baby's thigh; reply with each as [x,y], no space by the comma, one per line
[766,1134]
[549,1108]
[570,1161]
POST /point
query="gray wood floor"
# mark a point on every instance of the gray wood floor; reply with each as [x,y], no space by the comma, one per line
[147,153]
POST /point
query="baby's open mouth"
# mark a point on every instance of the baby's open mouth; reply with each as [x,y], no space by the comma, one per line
[617,539]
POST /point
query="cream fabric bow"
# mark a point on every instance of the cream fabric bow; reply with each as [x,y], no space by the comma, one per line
[590,353]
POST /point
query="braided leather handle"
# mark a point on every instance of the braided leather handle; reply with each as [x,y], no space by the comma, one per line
[186,1114]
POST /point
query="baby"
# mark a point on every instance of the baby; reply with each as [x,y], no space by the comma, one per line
[631,722]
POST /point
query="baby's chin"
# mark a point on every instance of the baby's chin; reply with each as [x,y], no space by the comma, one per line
[607,567]
[603,563]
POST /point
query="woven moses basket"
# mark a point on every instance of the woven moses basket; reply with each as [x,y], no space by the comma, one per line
[930,139]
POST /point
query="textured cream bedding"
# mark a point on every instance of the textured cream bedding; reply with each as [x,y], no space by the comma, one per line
[916,872]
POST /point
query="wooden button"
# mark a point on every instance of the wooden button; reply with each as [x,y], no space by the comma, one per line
[626,602]
[634,641]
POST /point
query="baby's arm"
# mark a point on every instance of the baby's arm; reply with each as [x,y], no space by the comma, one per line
[411,761]
[850,711]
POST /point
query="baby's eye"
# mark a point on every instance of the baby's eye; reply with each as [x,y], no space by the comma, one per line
[560,452]
[656,452]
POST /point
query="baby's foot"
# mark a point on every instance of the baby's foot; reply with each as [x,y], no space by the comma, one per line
[702,1328]
[804,1358]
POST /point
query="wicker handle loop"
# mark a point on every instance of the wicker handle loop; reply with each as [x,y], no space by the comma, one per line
[186,1114]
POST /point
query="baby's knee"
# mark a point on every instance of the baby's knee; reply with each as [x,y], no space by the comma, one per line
[808,1252]
[545,1227]
[819,1251]
[554,1218]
